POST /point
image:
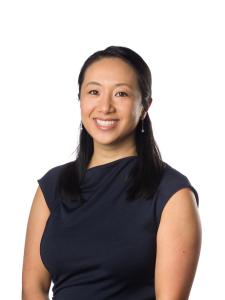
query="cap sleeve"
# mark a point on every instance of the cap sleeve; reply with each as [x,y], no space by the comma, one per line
[171,182]
[48,183]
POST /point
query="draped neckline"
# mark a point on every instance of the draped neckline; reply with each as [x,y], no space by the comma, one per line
[105,165]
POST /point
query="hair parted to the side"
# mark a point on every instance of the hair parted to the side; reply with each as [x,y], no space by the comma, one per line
[143,179]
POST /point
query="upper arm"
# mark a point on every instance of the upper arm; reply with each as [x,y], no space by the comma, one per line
[34,274]
[178,246]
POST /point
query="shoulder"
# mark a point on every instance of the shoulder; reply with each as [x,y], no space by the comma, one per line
[54,170]
[172,181]
[172,174]
[48,183]
[51,174]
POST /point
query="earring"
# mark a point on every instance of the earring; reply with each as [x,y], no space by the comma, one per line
[142,129]
[81,127]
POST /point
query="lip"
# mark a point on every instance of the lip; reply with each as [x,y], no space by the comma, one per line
[108,127]
[106,119]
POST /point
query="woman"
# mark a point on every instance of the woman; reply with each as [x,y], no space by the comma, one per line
[118,222]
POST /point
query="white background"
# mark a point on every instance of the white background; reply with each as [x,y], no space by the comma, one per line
[43,46]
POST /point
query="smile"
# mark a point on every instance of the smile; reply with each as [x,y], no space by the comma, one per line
[106,124]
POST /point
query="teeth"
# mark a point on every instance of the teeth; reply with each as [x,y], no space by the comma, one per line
[105,123]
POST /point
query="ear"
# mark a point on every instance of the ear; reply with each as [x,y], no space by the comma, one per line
[144,112]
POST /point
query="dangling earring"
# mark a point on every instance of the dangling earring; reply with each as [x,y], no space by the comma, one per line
[81,127]
[142,129]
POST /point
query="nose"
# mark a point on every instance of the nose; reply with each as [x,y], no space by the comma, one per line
[105,104]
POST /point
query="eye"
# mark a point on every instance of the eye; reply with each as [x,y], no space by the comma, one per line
[91,92]
[123,93]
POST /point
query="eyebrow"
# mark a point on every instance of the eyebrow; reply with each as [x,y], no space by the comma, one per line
[117,84]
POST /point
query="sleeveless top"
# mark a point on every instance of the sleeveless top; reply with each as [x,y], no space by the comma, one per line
[105,249]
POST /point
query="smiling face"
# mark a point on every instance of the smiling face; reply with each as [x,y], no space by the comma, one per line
[110,92]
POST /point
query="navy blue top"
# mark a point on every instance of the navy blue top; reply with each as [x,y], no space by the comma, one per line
[105,249]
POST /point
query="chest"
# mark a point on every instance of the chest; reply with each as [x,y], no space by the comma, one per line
[117,239]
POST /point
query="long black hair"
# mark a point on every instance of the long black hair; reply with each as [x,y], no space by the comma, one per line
[144,178]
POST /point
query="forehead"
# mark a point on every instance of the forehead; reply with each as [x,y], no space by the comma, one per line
[111,70]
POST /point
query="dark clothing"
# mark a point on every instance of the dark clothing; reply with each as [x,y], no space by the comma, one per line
[105,249]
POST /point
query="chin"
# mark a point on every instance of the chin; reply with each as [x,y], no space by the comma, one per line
[105,141]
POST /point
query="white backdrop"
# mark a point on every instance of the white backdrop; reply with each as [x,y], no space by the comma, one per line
[43,46]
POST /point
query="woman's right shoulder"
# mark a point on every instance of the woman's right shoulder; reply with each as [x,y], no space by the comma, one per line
[48,183]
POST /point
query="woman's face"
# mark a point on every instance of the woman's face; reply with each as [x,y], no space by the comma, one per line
[110,92]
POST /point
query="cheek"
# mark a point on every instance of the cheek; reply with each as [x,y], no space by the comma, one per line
[86,107]
[132,112]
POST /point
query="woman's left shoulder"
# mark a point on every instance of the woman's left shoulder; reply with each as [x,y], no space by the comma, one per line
[172,181]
